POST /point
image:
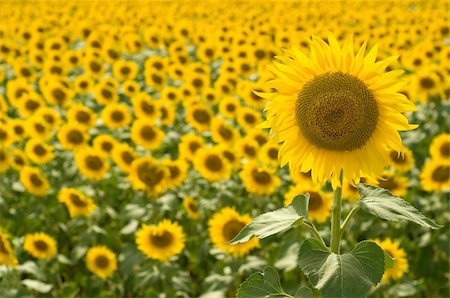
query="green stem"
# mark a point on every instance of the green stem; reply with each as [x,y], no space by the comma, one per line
[336,217]
[349,216]
[312,227]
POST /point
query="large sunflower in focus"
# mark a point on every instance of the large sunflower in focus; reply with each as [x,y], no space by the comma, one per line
[336,111]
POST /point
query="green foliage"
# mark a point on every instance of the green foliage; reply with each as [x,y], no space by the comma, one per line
[271,223]
[267,284]
[346,275]
[380,202]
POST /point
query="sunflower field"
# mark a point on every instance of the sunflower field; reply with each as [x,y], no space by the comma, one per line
[222,148]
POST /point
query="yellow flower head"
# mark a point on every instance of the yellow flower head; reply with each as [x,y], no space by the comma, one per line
[400,262]
[76,202]
[7,256]
[40,245]
[161,242]
[334,110]
[101,261]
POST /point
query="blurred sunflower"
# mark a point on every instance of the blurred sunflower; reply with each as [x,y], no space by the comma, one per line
[7,256]
[76,202]
[149,175]
[259,179]
[435,175]
[145,107]
[398,254]
[191,207]
[40,245]
[397,185]
[199,117]
[34,182]
[440,147]
[104,143]
[319,202]
[91,163]
[123,155]
[81,115]
[116,116]
[224,225]
[178,171]
[346,110]
[17,159]
[401,161]
[161,241]
[146,134]
[211,164]
[101,261]
[189,146]
[38,151]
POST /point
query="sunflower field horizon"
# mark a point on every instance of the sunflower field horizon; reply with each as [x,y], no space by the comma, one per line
[221,149]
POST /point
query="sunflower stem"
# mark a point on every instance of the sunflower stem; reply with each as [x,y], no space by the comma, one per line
[349,216]
[336,217]
[313,228]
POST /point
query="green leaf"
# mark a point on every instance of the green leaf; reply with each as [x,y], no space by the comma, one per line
[346,275]
[380,202]
[304,292]
[262,284]
[37,285]
[271,223]
[389,261]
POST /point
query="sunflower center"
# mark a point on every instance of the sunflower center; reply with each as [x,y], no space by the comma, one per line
[147,133]
[59,95]
[174,172]
[201,116]
[192,206]
[163,240]
[261,177]
[336,111]
[107,146]
[315,201]
[101,261]
[75,137]
[213,163]
[39,150]
[194,146]
[41,245]
[249,150]
[398,159]
[19,130]
[150,174]
[94,163]
[225,132]
[441,174]
[36,180]
[127,157]
[229,156]
[249,118]
[77,201]
[83,117]
[117,116]
[445,149]
[273,153]
[231,229]
[147,108]
[388,183]
[31,105]
[427,83]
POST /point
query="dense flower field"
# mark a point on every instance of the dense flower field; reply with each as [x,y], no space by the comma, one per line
[132,149]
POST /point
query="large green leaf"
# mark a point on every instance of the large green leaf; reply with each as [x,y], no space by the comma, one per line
[346,275]
[380,202]
[267,284]
[271,223]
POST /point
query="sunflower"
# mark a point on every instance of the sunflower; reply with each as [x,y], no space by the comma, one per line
[105,94]
[319,202]
[34,182]
[36,127]
[223,132]
[350,190]
[38,151]
[191,207]
[168,114]
[17,159]
[259,179]
[224,225]
[50,116]
[40,245]
[145,107]
[393,249]
[248,118]
[435,175]
[161,241]
[81,115]
[440,147]
[189,146]
[123,155]
[146,134]
[149,175]
[199,117]
[83,84]
[4,156]
[269,154]
[170,94]
[6,136]
[104,143]
[402,161]
[76,202]
[30,103]
[397,185]
[211,164]
[248,148]
[116,116]
[178,170]
[125,70]
[101,261]
[347,110]
[71,136]
[18,129]
[91,163]
[7,256]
